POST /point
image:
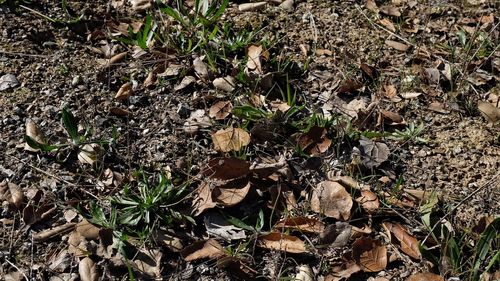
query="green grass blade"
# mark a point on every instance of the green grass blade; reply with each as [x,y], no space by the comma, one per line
[70,124]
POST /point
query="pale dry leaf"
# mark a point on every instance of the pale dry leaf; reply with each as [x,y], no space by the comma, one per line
[305,273]
[369,201]
[254,63]
[14,196]
[388,24]
[230,139]
[331,199]
[409,244]
[343,272]
[140,5]
[218,226]
[336,235]
[220,110]
[185,82]
[116,59]
[396,45]
[410,95]
[372,6]
[302,224]
[89,153]
[489,111]
[200,68]
[282,242]
[392,118]
[279,105]
[87,230]
[426,276]
[148,262]
[124,92]
[226,84]
[206,249]
[390,92]
[373,153]
[87,269]
[171,70]
[35,133]
[252,6]
[202,199]
[390,11]
[369,254]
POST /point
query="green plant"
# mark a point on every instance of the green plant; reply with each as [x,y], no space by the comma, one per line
[87,147]
[411,132]
[141,37]
[140,206]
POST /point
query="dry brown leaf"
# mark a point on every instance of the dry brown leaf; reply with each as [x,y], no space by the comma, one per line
[489,111]
[206,249]
[438,107]
[88,270]
[279,105]
[282,242]
[390,11]
[336,235]
[124,92]
[350,86]
[220,110]
[369,254]
[323,52]
[202,199]
[119,111]
[373,153]
[185,82]
[148,262]
[396,45]
[370,71]
[343,272]
[388,24]
[331,198]
[254,64]
[230,139]
[35,133]
[391,93]
[252,6]
[315,141]
[226,84]
[369,201]
[410,95]
[303,224]
[87,230]
[226,168]
[168,241]
[12,194]
[409,244]
[116,59]
[372,6]
[392,118]
[232,192]
[427,276]
[32,215]
[200,68]
[140,5]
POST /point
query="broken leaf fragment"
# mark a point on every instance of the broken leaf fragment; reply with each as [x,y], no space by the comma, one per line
[230,139]
[282,242]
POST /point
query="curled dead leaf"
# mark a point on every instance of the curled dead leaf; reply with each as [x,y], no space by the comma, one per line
[35,133]
[87,269]
[303,224]
[226,84]
[314,142]
[89,153]
[369,201]
[373,153]
[282,242]
[254,64]
[231,193]
[396,45]
[331,198]
[87,230]
[124,92]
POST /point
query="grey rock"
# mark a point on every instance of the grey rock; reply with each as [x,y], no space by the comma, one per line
[8,81]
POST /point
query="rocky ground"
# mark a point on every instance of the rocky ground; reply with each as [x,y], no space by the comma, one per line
[313,140]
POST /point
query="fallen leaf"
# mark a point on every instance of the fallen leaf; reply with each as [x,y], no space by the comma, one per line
[251,6]
[232,192]
[169,241]
[304,273]
[12,194]
[373,153]
[226,168]
[489,111]
[302,224]
[88,270]
[32,214]
[226,84]
[116,59]
[185,82]
[254,64]
[205,249]
[218,226]
[331,199]
[392,117]
[479,78]
[323,52]
[390,11]
[282,242]
[119,111]
[438,107]
[409,244]
[343,272]
[220,110]
[8,81]
[35,133]
[336,235]
[390,92]
[200,68]
[202,199]
[369,254]
[426,276]
[396,45]
[370,71]
[148,262]
[410,95]
[89,153]
[432,75]
[230,139]
[350,86]
[388,24]
[279,105]
[140,5]
[372,6]
[171,70]
[369,201]
[314,142]
[87,230]
[124,92]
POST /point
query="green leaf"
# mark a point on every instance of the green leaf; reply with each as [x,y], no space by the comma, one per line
[37,145]
[484,246]
[174,14]
[70,124]
[239,223]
